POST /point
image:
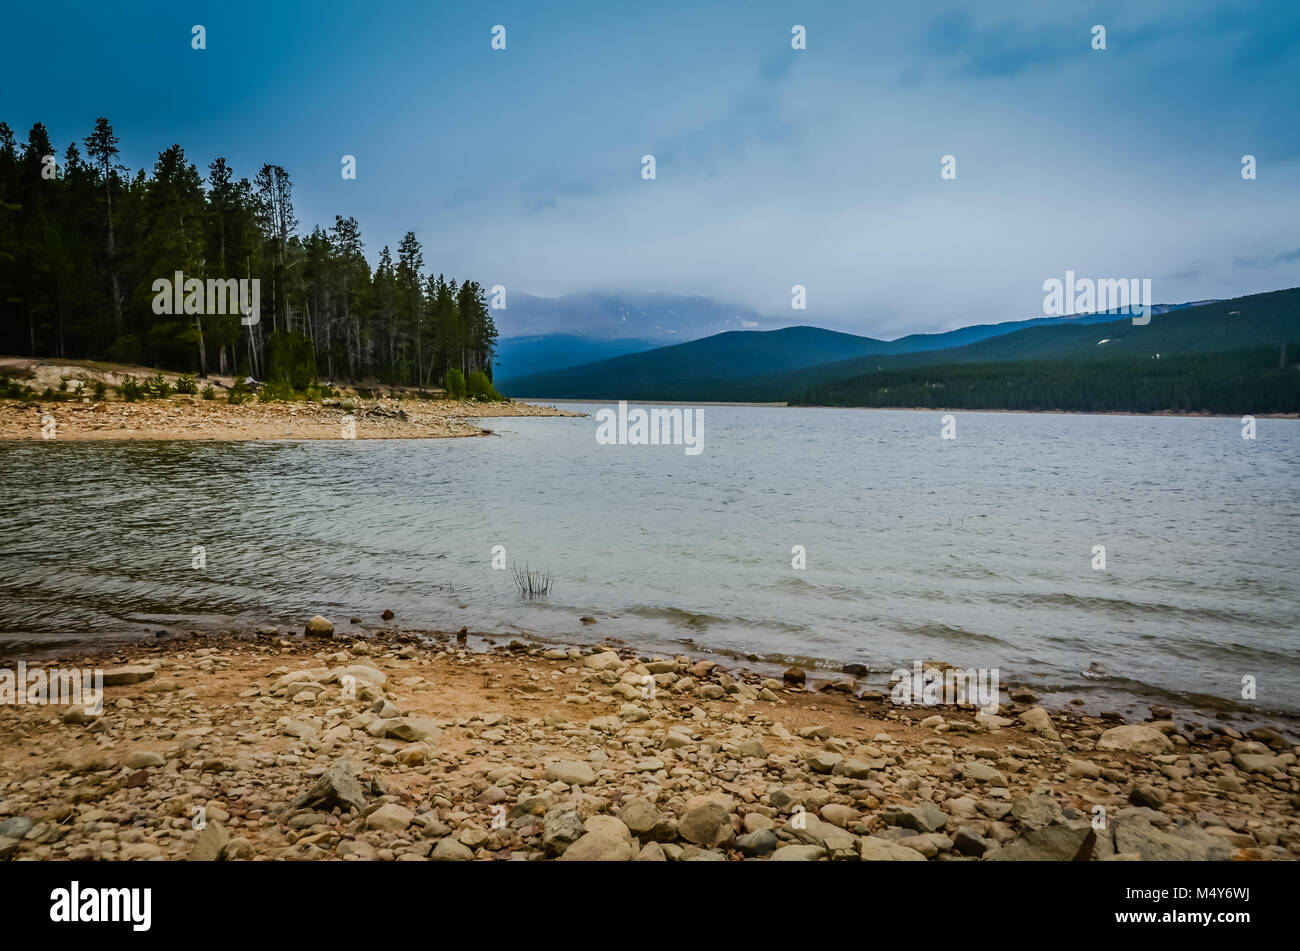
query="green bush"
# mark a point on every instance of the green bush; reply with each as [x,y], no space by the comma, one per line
[187,384]
[479,387]
[291,358]
[158,387]
[131,390]
[208,393]
[13,390]
[239,393]
[276,390]
[455,384]
[101,391]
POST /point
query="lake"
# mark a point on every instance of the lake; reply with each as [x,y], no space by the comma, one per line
[978,551]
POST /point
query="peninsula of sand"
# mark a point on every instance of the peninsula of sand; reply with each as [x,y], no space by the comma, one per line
[55,412]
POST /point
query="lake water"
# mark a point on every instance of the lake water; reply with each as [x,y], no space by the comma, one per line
[977,551]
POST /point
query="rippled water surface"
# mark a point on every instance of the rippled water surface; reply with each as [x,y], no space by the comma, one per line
[976,551]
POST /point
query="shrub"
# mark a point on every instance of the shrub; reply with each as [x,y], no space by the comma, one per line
[131,390]
[13,390]
[479,387]
[455,384]
[187,384]
[158,387]
[239,393]
[276,390]
[291,358]
[208,393]
[101,391]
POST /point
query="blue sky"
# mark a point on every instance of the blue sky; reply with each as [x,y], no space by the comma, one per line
[774,166]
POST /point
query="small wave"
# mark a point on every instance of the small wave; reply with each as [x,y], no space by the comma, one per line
[953,635]
[1120,606]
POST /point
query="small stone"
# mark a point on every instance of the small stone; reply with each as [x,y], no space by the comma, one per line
[570,773]
[1147,796]
[210,843]
[449,850]
[319,626]
[598,847]
[1135,738]
[390,817]
[124,676]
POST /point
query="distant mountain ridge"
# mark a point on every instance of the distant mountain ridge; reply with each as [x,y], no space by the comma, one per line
[666,318]
[764,366]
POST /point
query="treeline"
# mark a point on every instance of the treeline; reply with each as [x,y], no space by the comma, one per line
[82,241]
[1260,380]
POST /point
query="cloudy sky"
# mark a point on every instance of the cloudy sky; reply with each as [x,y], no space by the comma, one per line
[775,167]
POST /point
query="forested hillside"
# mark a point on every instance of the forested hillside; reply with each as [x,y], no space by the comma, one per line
[83,239]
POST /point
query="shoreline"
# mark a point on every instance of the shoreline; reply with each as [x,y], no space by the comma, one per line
[528,751]
[1119,703]
[1174,414]
[191,418]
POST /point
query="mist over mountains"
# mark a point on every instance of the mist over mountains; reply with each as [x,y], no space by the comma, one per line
[1020,364]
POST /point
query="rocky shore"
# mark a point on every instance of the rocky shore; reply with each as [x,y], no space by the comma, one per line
[190,417]
[274,745]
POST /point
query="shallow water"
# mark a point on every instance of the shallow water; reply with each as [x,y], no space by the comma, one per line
[976,551]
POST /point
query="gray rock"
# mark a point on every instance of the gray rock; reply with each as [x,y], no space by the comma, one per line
[927,817]
[598,847]
[644,820]
[412,729]
[824,762]
[123,676]
[1136,738]
[560,829]
[15,827]
[1064,842]
[762,842]
[570,772]
[1038,721]
[707,825]
[1148,796]
[838,844]
[390,817]
[1037,810]
[319,626]
[798,853]
[1188,844]
[210,843]
[875,849]
[337,786]
[143,759]
[1257,762]
[982,773]
[651,852]
[449,850]
[969,842]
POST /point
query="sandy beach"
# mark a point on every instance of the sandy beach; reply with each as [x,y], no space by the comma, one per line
[395,746]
